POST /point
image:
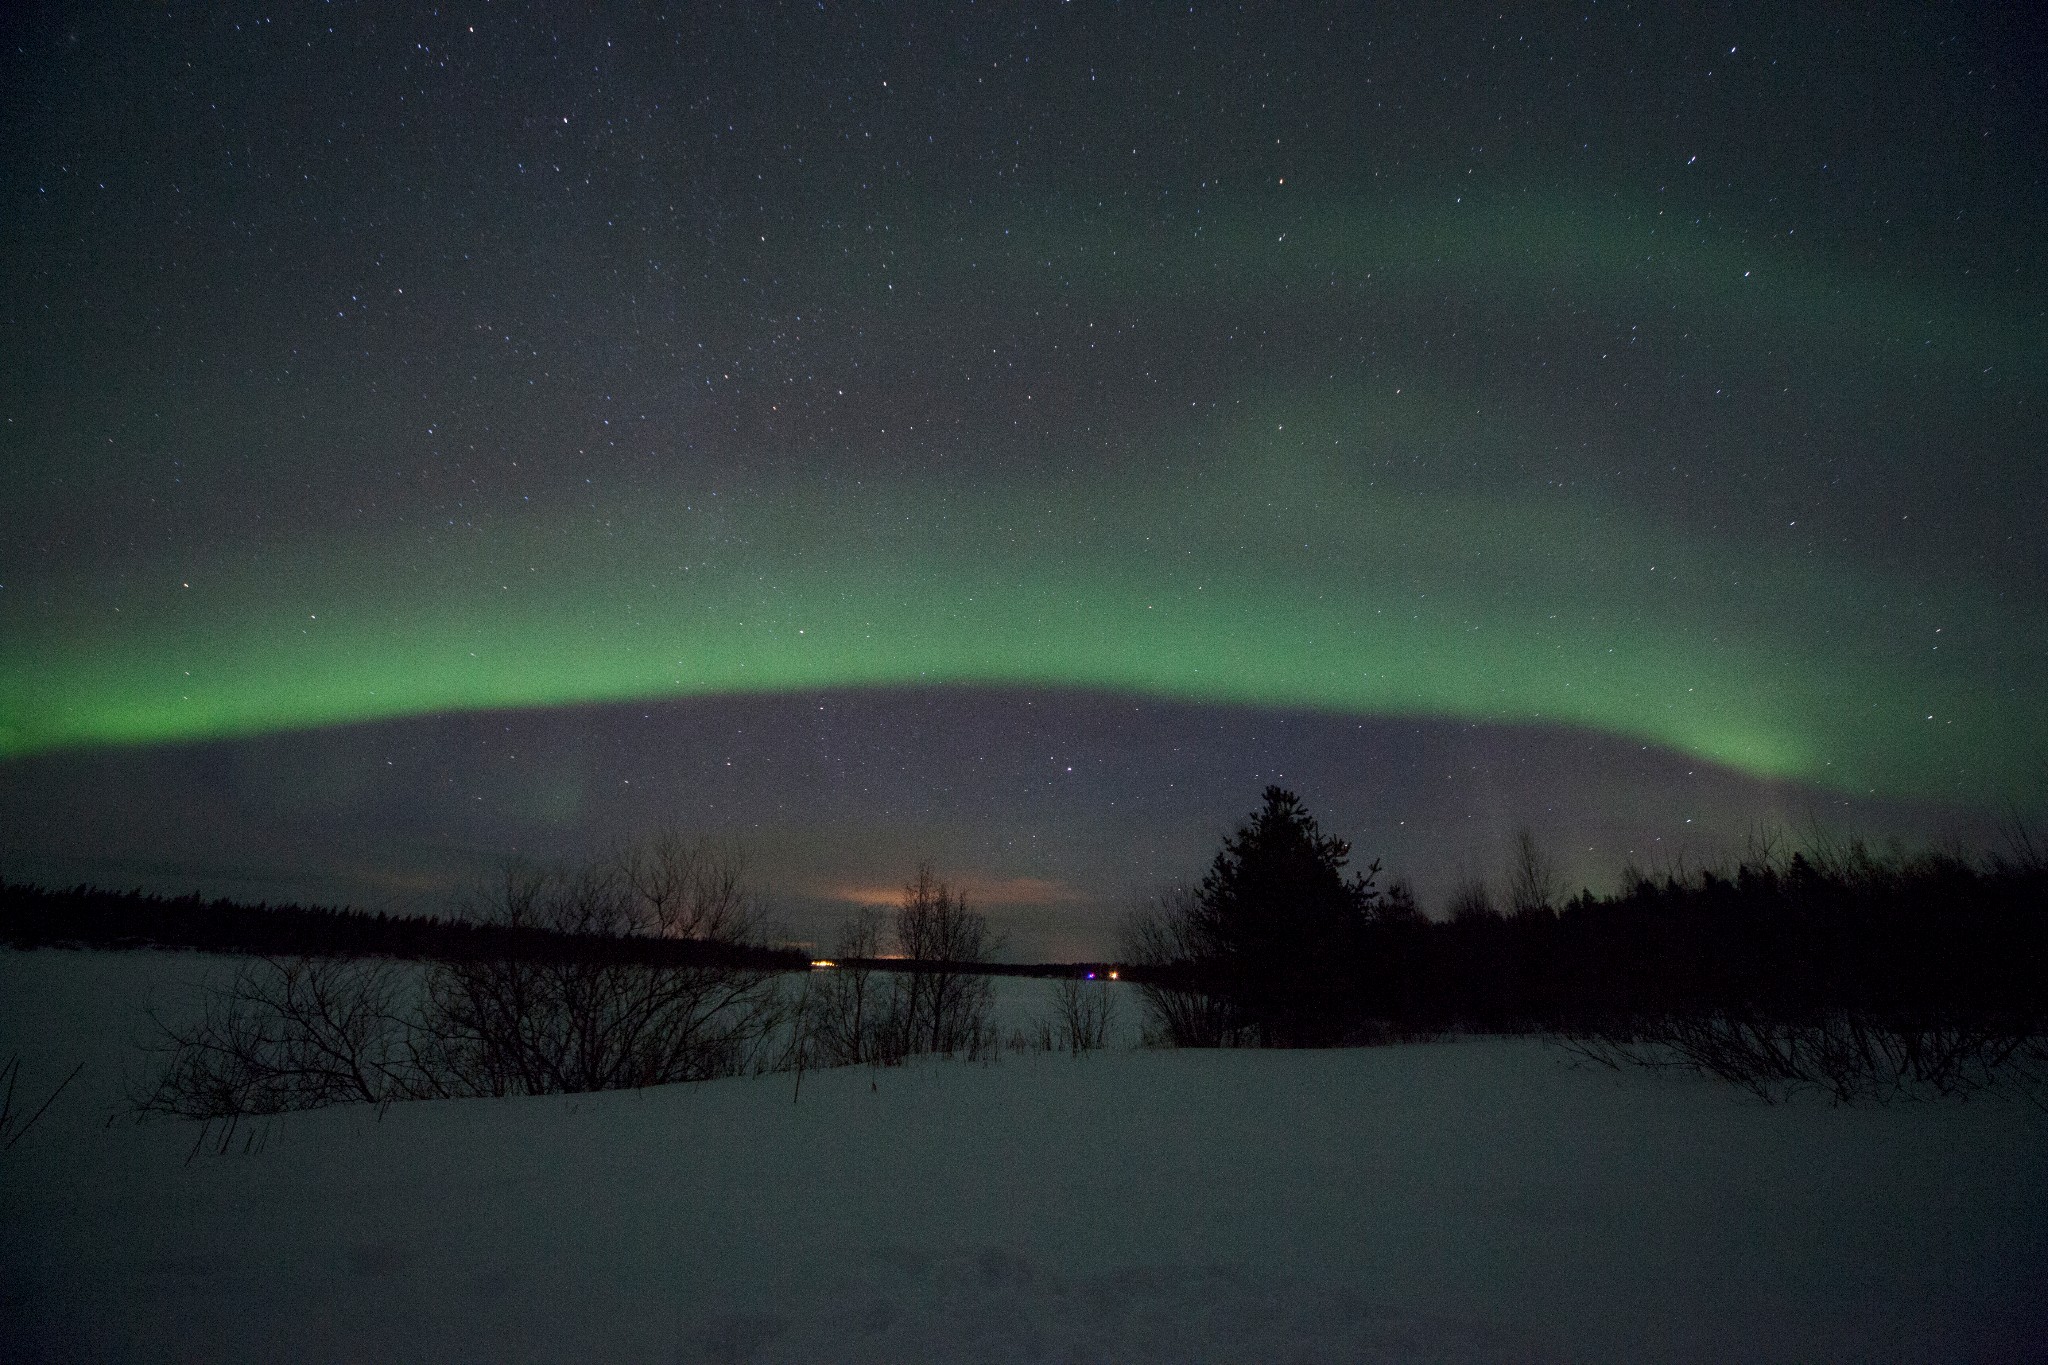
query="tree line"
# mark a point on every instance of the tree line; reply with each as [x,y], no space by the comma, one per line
[84,916]
[1835,967]
[1863,974]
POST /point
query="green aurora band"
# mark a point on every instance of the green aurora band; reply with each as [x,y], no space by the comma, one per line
[1287,562]
[1268,577]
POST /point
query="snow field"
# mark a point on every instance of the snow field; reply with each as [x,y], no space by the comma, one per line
[1472,1201]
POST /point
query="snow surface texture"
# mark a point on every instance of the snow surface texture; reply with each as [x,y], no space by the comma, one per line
[1472,1201]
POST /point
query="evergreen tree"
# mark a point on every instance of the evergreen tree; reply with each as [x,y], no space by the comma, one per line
[1279,927]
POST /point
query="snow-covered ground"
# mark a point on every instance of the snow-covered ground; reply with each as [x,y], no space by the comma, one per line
[1477,1200]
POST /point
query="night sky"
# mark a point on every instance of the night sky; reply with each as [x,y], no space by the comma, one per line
[1012,436]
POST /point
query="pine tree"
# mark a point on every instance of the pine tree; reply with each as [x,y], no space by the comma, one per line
[1279,926]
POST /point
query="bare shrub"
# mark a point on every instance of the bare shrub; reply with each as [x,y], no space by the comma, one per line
[572,1024]
[1851,1056]
[1037,1036]
[1083,1015]
[1162,939]
[300,1033]
[287,1034]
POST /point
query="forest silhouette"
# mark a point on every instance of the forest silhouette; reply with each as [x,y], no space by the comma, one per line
[1862,974]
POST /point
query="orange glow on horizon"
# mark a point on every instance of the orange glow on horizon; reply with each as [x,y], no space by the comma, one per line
[982,892]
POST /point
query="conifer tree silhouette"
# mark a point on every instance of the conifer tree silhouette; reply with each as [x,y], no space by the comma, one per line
[1279,927]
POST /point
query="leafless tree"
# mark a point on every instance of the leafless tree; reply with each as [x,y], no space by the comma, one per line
[1533,887]
[2026,851]
[690,889]
[849,1010]
[1472,900]
[942,1005]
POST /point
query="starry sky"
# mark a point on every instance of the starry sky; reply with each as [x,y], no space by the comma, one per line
[1011,435]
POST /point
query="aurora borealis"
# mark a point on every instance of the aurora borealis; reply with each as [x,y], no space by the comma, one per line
[1667,381]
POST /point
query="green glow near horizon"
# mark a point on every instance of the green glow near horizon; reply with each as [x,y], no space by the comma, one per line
[1276,573]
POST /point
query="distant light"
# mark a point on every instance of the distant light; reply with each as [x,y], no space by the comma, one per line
[1091,976]
[1112,976]
[823,962]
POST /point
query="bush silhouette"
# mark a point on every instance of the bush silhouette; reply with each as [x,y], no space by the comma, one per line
[562,1026]
[293,1033]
